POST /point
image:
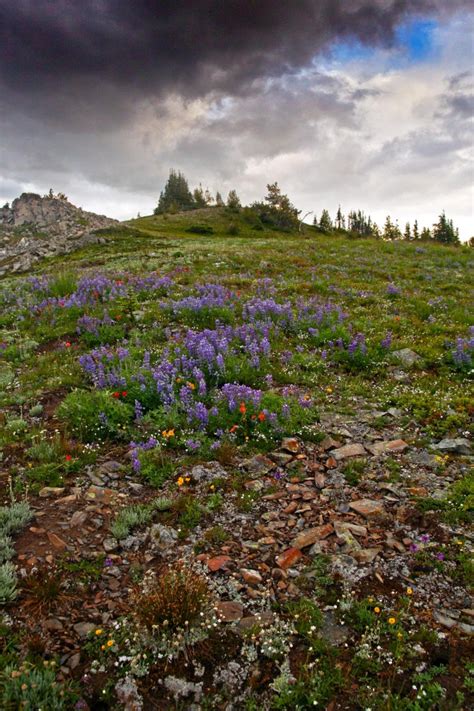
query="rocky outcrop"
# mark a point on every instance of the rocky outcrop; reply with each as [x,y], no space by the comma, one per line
[34,227]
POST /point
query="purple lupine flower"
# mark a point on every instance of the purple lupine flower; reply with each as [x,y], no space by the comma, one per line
[138,410]
[387,341]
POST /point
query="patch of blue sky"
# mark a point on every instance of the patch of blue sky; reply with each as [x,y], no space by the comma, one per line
[414,42]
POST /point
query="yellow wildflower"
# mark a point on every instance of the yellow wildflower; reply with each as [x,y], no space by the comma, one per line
[377,610]
[409,591]
[99,632]
[191,386]
[391,620]
[110,643]
[329,390]
[180,481]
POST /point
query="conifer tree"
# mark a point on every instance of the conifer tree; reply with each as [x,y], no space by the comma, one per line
[416,234]
[175,195]
[407,233]
[444,231]
[325,222]
[233,200]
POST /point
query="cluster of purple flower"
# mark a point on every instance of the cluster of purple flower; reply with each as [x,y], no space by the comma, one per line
[91,324]
[209,296]
[233,394]
[462,353]
[99,288]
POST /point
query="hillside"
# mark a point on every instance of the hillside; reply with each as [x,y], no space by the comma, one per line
[236,471]
[35,227]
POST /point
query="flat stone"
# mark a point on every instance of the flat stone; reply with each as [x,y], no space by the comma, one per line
[395,445]
[78,519]
[288,558]
[291,508]
[230,611]
[290,444]
[342,526]
[218,562]
[100,494]
[444,620]
[367,507]
[53,625]
[50,491]
[349,450]
[406,356]
[281,458]
[460,445]
[366,555]
[56,542]
[84,628]
[329,443]
[252,577]
[310,536]
[260,464]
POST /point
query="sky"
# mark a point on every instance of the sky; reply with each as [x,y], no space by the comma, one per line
[363,103]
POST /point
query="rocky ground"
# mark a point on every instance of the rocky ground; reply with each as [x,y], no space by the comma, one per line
[36,227]
[326,562]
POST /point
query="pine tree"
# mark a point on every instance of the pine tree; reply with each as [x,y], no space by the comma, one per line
[340,220]
[416,234]
[391,231]
[198,196]
[175,195]
[444,231]
[407,233]
[233,200]
[219,200]
[325,223]
[425,234]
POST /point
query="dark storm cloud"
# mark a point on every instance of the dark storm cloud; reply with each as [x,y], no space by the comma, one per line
[63,57]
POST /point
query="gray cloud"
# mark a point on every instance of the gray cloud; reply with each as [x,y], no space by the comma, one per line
[89,61]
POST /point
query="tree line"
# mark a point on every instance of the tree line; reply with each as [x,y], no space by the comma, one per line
[357,222]
[276,211]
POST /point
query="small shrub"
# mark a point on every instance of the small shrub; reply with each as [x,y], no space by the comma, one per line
[137,515]
[44,589]
[200,230]
[63,285]
[233,229]
[30,688]
[8,589]
[6,549]
[175,599]
[14,517]
[95,415]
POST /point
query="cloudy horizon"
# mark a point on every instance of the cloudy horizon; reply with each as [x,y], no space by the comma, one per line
[366,104]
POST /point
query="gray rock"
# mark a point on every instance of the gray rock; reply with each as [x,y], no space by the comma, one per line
[407,356]
[180,688]
[49,226]
[460,445]
[207,473]
[128,695]
[110,544]
[83,628]
[332,630]
[162,537]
